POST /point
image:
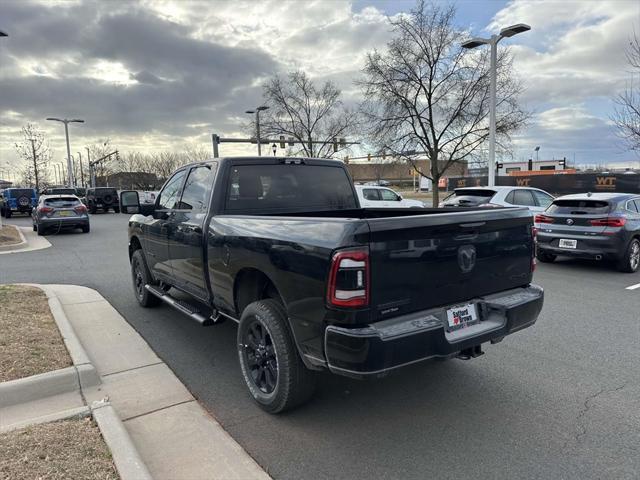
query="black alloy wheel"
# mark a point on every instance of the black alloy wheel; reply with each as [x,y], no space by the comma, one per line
[630,261]
[260,357]
[141,277]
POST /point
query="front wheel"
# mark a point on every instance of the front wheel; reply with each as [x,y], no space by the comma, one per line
[141,276]
[271,366]
[116,209]
[7,213]
[86,229]
[630,261]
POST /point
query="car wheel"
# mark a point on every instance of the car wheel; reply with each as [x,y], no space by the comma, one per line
[116,209]
[7,213]
[93,210]
[545,257]
[141,276]
[630,261]
[35,228]
[86,229]
[40,229]
[271,366]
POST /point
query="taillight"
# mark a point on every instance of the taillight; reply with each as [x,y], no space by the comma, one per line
[80,209]
[543,219]
[348,284]
[534,250]
[45,210]
[609,222]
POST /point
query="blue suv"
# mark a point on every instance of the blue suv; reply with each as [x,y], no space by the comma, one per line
[18,200]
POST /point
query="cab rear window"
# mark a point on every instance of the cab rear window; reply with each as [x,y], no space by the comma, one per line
[577,207]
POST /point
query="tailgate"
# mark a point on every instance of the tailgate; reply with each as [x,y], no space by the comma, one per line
[424,261]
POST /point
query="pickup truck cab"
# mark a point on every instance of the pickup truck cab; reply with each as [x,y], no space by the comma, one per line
[282,247]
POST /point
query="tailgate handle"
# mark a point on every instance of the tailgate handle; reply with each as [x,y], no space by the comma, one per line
[471,225]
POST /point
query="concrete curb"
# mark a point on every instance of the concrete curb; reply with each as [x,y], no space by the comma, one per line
[14,246]
[43,385]
[128,462]
[79,412]
[33,242]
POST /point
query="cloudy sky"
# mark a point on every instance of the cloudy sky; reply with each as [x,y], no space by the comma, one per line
[164,74]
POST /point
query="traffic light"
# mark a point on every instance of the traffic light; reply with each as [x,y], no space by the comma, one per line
[117,156]
[291,143]
[335,145]
[368,157]
[282,145]
[343,142]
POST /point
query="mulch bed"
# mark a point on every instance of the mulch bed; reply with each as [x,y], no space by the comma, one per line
[9,235]
[69,449]
[30,342]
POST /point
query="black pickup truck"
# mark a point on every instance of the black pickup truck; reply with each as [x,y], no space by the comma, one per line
[315,282]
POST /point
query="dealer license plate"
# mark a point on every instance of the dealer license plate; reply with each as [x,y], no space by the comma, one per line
[564,243]
[462,316]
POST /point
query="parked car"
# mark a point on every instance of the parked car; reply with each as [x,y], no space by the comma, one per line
[18,200]
[380,197]
[60,212]
[102,198]
[282,247]
[534,199]
[598,226]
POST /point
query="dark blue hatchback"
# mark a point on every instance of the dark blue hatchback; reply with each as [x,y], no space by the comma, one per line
[18,200]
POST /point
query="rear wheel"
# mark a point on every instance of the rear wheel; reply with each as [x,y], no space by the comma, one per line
[40,229]
[116,209]
[7,213]
[271,366]
[86,229]
[630,261]
[545,257]
[35,228]
[141,276]
[93,209]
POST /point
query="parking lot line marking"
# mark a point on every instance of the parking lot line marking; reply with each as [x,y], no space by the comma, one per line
[633,287]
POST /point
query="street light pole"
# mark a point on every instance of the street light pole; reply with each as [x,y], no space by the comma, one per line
[81,172]
[257,112]
[66,133]
[493,44]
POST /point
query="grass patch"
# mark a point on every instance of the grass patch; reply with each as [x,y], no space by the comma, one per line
[9,235]
[69,449]
[30,342]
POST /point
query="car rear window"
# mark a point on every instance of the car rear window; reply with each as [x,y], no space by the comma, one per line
[470,197]
[61,202]
[578,207]
[62,191]
[19,192]
[283,187]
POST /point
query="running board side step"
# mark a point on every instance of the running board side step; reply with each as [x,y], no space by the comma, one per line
[184,307]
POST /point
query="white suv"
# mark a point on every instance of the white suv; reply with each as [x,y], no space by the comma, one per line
[371,196]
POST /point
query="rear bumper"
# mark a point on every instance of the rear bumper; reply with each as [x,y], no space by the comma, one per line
[597,246]
[68,222]
[401,341]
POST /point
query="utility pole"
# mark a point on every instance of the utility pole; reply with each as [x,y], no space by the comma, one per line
[66,133]
[257,112]
[35,163]
[81,172]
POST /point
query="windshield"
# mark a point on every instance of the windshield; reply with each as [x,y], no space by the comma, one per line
[289,187]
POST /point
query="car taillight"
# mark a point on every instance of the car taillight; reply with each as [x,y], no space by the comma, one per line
[609,222]
[80,209]
[543,219]
[45,210]
[348,284]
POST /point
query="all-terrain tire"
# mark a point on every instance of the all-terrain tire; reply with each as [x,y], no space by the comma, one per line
[141,276]
[294,383]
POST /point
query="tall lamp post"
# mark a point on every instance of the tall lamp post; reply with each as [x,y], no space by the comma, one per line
[493,43]
[66,132]
[81,172]
[257,112]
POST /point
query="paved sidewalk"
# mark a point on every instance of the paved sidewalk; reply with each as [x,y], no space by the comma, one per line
[175,436]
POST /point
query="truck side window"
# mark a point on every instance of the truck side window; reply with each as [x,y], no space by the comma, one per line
[171,191]
[371,194]
[197,188]
[389,196]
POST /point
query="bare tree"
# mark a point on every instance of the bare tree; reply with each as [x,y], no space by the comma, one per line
[627,112]
[426,95]
[34,149]
[306,112]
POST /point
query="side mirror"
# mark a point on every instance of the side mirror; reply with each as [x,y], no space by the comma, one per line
[129,201]
[399,198]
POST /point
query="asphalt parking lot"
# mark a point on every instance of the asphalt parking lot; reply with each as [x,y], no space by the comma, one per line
[558,400]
